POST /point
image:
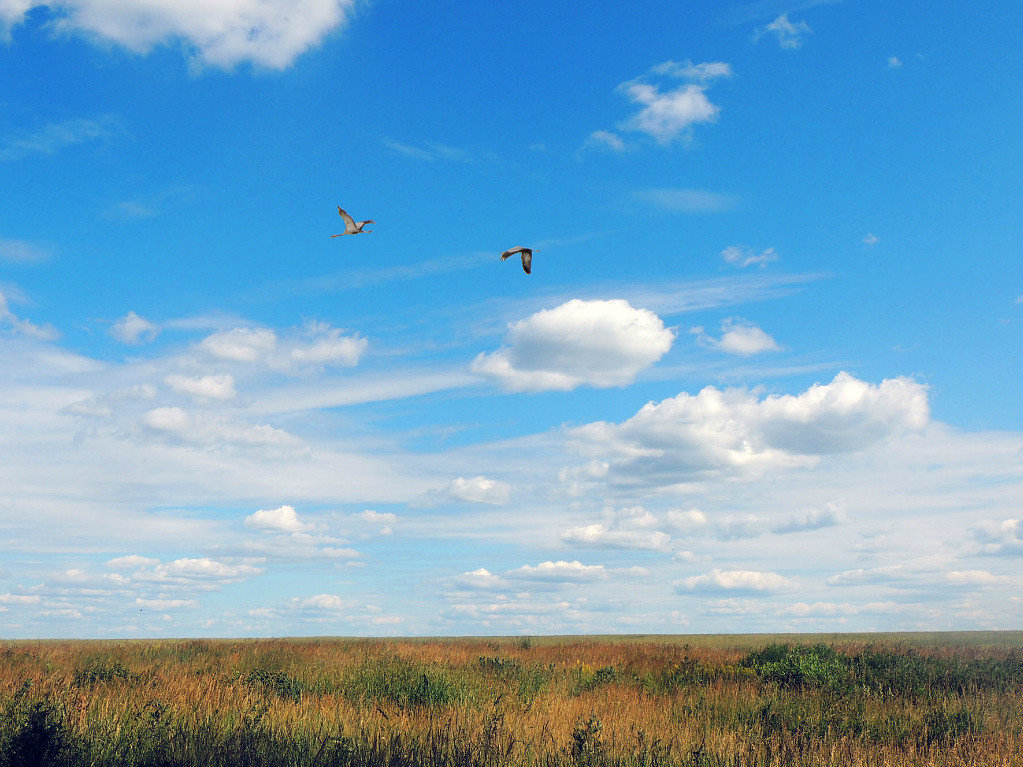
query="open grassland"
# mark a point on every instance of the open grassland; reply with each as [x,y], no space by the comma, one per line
[914,699]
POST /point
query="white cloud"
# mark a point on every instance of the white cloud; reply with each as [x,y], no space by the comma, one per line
[326,346]
[1003,538]
[558,572]
[241,344]
[733,433]
[218,387]
[330,603]
[595,343]
[602,139]
[894,62]
[283,519]
[972,578]
[203,570]
[738,337]
[133,329]
[269,33]
[168,419]
[667,115]
[628,528]
[19,599]
[481,579]
[475,490]
[670,115]
[52,138]
[734,581]
[24,327]
[21,252]
[316,345]
[687,70]
[383,520]
[696,201]
[744,257]
[788,34]
[871,239]
[132,562]
[175,422]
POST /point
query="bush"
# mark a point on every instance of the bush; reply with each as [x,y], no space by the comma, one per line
[801,666]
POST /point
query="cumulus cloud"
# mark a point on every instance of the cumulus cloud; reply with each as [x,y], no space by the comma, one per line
[628,528]
[1003,538]
[316,345]
[282,519]
[474,490]
[894,62]
[734,582]
[240,344]
[789,34]
[203,387]
[133,329]
[733,433]
[330,603]
[198,573]
[671,114]
[743,257]
[558,572]
[481,579]
[269,33]
[737,337]
[595,343]
[871,239]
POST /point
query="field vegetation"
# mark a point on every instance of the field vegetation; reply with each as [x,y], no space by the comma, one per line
[646,701]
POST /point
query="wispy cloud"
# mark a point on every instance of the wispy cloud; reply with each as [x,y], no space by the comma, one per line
[23,252]
[789,34]
[698,201]
[430,151]
[54,137]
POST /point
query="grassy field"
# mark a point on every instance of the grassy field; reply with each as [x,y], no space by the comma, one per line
[871,699]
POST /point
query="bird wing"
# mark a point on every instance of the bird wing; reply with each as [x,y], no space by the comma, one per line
[513,251]
[527,260]
[349,221]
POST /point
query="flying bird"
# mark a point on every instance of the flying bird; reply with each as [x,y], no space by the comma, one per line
[352,226]
[527,256]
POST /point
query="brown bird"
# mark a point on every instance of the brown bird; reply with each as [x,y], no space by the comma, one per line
[527,257]
[352,226]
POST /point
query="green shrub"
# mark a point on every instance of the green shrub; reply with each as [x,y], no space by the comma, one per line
[801,666]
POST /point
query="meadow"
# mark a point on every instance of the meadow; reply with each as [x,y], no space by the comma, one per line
[754,700]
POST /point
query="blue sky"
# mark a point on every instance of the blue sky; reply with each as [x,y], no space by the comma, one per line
[763,377]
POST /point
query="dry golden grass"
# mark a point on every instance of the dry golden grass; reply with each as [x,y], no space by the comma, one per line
[593,701]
